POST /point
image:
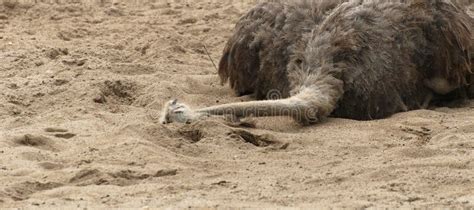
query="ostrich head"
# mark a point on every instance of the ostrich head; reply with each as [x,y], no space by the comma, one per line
[177,112]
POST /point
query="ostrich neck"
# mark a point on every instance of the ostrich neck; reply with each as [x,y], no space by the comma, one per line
[281,107]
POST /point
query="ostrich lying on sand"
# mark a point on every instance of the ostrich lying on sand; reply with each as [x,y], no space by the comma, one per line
[358,59]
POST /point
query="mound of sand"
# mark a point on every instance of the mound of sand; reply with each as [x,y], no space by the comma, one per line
[82,86]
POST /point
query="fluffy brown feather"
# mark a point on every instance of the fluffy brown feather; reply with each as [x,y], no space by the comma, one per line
[376,44]
[358,59]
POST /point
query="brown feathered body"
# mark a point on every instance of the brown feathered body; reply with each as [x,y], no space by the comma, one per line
[362,59]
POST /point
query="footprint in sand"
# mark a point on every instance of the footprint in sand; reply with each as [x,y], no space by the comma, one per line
[36,141]
[60,133]
[65,135]
[422,134]
[55,130]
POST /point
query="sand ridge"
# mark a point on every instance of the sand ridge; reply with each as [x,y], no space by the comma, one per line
[82,87]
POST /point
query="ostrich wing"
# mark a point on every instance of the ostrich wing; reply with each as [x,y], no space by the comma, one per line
[240,62]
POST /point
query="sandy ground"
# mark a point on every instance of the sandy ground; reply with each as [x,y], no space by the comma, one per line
[82,86]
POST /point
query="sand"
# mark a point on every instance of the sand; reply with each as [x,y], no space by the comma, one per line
[82,86]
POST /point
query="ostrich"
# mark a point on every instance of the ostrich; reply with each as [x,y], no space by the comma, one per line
[357,59]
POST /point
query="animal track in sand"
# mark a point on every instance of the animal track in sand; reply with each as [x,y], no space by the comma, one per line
[422,135]
[65,135]
[60,133]
[37,141]
[55,130]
